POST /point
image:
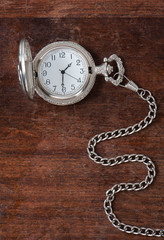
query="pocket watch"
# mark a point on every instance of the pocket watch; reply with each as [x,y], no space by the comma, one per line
[63,72]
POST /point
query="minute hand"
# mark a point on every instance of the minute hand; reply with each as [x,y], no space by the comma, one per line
[71,76]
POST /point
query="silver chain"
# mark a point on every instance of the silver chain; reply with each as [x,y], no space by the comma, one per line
[147,96]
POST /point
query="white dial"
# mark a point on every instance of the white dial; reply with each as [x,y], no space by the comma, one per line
[63,72]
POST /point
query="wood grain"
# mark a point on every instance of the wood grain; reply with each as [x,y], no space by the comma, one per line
[81,8]
[50,189]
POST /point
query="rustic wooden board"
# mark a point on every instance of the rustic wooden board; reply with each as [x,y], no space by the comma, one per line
[81,8]
[50,189]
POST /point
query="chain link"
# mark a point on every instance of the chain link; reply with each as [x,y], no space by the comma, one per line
[147,96]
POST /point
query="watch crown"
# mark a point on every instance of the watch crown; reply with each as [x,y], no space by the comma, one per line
[106,69]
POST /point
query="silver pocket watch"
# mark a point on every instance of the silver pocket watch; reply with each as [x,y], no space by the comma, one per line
[62,73]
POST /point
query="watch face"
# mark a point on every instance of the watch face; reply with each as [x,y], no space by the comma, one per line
[65,73]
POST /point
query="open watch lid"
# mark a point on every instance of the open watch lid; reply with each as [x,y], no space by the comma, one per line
[25,69]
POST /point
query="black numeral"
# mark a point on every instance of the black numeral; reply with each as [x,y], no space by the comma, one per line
[78,62]
[53,57]
[81,70]
[72,86]
[62,55]
[44,73]
[63,89]
[54,88]
[47,64]
[79,80]
[48,82]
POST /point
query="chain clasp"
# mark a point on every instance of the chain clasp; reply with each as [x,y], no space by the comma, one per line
[128,83]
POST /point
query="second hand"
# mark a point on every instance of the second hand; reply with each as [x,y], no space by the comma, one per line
[71,76]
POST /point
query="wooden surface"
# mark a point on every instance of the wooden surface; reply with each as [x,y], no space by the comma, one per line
[50,189]
[81,8]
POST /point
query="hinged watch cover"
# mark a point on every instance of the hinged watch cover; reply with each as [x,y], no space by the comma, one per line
[25,69]
[46,81]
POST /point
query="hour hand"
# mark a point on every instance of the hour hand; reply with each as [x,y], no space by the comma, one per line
[63,71]
[69,65]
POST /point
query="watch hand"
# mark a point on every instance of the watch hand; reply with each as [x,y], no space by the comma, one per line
[63,71]
[69,65]
[62,82]
[71,76]
[62,79]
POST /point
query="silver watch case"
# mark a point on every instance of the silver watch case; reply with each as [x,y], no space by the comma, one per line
[29,75]
[25,68]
